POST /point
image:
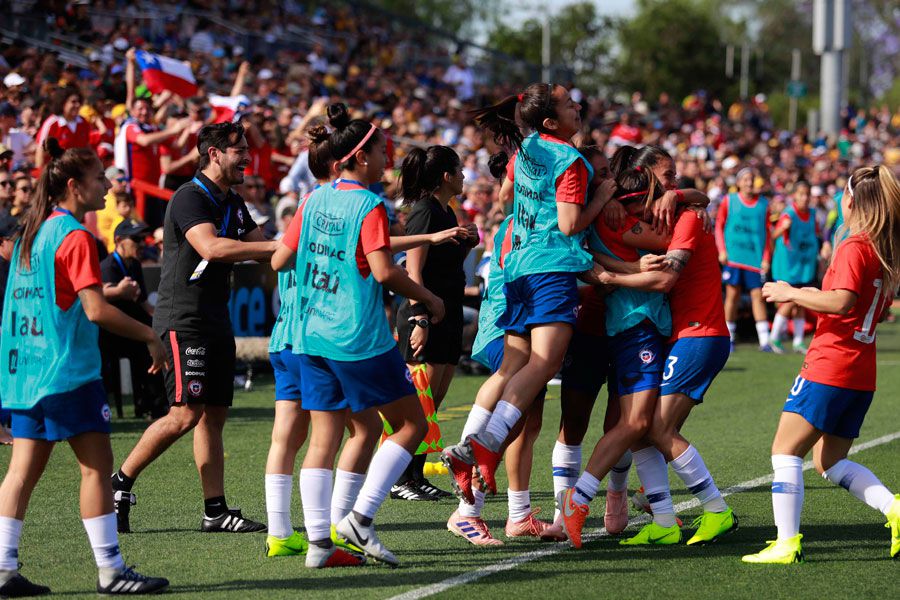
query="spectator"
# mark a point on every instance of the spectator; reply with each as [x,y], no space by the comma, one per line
[22,189]
[253,191]
[7,189]
[12,138]
[64,123]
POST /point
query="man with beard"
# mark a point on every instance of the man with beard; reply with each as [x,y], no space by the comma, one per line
[207,229]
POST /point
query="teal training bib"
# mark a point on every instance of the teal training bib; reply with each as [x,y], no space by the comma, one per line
[493,304]
[287,293]
[45,350]
[745,231]
[797,261]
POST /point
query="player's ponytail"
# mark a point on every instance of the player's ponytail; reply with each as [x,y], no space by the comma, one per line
[638,184]
[422,172]
[629,157]
[497,164]
[530,107]
[876,213]
[320,158]
[51,189]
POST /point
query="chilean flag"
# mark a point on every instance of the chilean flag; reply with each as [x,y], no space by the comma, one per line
[225,107]
[163,73]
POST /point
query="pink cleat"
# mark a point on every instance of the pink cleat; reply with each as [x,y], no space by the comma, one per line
[486,461]
[531,526]
[615,519]
[472,529]
[458,461]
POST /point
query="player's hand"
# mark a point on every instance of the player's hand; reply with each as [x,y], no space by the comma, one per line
[663,212]
[452,235]
[701,213]
[592,275]
[157,354]
[652,262]
[614,214]
[435,307]
[777,291]
[605,191]
[472,237]
[723,257]
[417,340]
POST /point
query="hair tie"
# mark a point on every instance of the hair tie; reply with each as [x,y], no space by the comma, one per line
[362,143]
[519,97]
[850,185]
[638,168]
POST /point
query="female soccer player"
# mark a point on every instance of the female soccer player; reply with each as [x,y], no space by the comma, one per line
[742,236]
[348,358]
[54,303]
[829,399]
[796,261]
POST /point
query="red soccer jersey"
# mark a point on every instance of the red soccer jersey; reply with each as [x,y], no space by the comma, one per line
[169,149]
[108,137]
[696,297]
[842,352]
[143,160]
[613,238]
[77,266]
[75,134]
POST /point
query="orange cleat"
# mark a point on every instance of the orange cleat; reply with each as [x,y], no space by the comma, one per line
[574,516]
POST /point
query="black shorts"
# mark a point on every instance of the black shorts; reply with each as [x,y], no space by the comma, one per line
[444,344]
[202,368]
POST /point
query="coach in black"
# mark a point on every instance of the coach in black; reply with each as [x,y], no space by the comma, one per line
[207,229]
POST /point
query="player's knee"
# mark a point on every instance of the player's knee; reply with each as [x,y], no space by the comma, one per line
[635,426]
[184,418]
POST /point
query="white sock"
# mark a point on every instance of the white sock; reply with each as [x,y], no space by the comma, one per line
[472,510]
[476,422]
[732,329]
[693,472]
[787,494]
[346,490]
[519,504]
[10,532]
[315,494]
[586,488]
[762,332]
[387,464]
[504,418]
[799,325]
[779,327]
[862,483]
[566,462]
[618,475]
[278,504]
[104,540]
[654,475]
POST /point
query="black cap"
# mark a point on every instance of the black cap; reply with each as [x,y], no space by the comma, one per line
[130,228]
[9,226]
[8,110]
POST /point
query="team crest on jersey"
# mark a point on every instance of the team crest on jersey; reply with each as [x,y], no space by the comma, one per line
[241,215]
[105,413]
[195,388]
[646,356]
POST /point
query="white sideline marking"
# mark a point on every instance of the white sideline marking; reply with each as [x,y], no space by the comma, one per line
[527,557]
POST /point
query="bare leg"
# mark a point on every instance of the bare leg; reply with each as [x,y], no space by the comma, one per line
[161,434]
[95,457]
[29,459]
[289,433]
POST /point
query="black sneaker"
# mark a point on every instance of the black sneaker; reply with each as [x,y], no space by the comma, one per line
[123,501]
[410,491]
[130,581]
[18,587]
[230,522]
[426,486]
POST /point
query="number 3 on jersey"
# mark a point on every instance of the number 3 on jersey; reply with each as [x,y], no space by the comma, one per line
[670,367]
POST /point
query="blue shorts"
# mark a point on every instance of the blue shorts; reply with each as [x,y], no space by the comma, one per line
[286,365]
[741,277]
[539,299]
[586,365]
[491,355]
[62,416]
[692,364]
[329,385]
[638,359]
[834,410]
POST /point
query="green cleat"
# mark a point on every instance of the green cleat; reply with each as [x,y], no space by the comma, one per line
[777,346]
[342,543]
[652,534]
[779,552]
[893,517]
[710,526]
[801,348]
[294,545]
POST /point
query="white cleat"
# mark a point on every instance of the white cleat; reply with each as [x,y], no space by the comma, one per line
[365,538]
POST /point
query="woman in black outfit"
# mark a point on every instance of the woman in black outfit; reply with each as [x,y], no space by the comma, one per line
[429,180]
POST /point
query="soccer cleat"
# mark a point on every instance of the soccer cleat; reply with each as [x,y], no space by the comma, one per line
[435,492]
[472,529]
[342,543]
[779,552]
[458,460]
[130,581]
[531,526]
[801,348]
[486,461]
[231,521]
[768,349]
[123,501]
[615,519]
[777,346]
[408,490]
[325,558]
[574,516]
[893,523]
[364,538]
[294,545]
[652,534]
[731,347]
[710,526]
[18,586]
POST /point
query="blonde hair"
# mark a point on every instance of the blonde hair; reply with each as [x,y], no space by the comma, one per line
[876,213]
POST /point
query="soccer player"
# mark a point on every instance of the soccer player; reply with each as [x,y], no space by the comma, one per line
[348,358]
[52,384]
[742,236]
[829,399]
[207,229]
[795,261]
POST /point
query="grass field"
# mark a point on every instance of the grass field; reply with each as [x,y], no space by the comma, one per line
[845,542]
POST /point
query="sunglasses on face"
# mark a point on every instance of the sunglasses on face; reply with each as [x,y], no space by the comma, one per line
[120,180]
[27,189]
[253,186]
[6,183]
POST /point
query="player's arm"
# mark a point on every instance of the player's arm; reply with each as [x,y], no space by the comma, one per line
[573,217]
[401,243]
[213,248]
[834,302]
[782,227]
[643,236]
[652,281]
[396,280]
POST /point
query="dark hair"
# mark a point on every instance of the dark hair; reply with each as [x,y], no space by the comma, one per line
[497,164]
[422,172]
[531,107]
[589,152]
[125,197]
[347,134]
[219,135]
[320,158]
[51,188]
[638,179]
[60,97]
[629,157]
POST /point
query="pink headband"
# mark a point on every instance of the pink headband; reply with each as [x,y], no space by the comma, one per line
[519,97]
[372,130]
[633,194]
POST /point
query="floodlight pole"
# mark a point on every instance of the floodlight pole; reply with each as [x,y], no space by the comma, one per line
[545,48]
[795,76]
[832,35]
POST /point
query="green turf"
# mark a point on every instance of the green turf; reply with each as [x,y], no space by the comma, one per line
[846,545]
